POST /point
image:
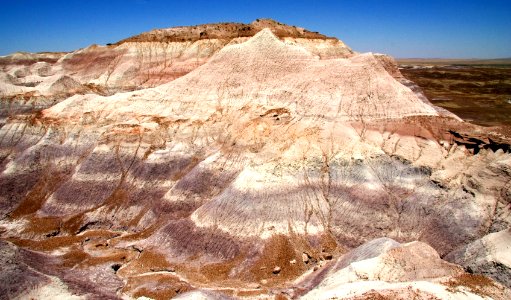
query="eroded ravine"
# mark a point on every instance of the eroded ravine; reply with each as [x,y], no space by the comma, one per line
[244,176]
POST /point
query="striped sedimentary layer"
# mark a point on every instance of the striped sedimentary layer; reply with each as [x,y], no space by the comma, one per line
[252,170]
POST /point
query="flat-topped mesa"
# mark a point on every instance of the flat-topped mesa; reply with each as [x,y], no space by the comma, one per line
[216,36]
[222,31]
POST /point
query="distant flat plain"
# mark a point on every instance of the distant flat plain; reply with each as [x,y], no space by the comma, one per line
[477,90]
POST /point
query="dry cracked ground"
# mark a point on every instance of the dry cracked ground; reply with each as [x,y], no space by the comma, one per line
[241,161]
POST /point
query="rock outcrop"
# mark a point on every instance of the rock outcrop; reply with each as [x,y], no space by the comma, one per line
[243,160]
[488,255]
[412,270]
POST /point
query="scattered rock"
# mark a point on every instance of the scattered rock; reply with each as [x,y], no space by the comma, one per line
[53,233]
[327,256]
[305,258]
[276,270]
[116,267]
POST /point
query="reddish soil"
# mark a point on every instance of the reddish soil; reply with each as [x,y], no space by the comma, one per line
[477,284]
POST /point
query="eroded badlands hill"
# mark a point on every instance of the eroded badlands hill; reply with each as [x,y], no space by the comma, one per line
[243,161]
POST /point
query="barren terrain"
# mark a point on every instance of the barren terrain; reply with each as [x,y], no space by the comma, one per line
[478,91]
[245,161]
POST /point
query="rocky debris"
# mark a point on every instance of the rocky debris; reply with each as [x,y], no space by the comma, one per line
[477,142]
[276,270]
[116,267]
[326,256]
[305,258]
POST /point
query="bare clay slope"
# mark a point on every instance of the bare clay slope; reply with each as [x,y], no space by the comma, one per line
[30,81]
[246,174]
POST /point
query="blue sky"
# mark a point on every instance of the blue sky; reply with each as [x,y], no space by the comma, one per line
[450,29]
